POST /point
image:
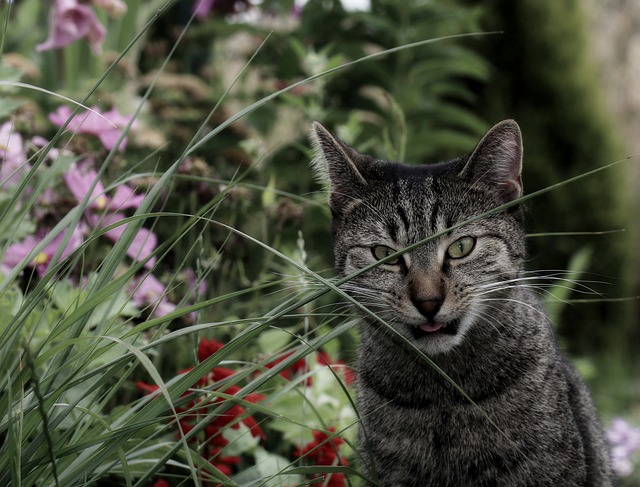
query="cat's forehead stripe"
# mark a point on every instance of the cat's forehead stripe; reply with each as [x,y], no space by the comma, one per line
[404,218]
[393,230]
[417,211]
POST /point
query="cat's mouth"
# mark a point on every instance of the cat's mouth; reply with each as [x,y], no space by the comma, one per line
[434,328]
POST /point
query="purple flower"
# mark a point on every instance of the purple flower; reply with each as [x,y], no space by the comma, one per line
[149,291]
[625,441]
[53,153]
[106,126]
[202,8]
[69,21]
[13,156]
[17,252]
[143,243]
[79,182]
[222,7]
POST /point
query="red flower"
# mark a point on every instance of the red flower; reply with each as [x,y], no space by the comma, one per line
[200,407]
[206,348]
[323,451]
[146,388]
[339,366]
[298,367]
[161,483]
[222,463]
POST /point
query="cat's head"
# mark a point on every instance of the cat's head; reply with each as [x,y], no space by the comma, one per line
[435,293]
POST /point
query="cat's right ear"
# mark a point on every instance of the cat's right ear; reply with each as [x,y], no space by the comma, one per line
[497,160]
[338,165]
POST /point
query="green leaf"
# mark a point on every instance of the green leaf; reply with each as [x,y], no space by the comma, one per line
[560,292]
[16,225]
[273,340]
[8,106]
[9,73]
[268,195]
[240,440]
[268,471]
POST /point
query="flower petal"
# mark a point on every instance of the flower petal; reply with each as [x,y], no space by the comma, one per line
[79,183]
[125,197]
[149,291]
[106,126]
[143,245]
[69,21]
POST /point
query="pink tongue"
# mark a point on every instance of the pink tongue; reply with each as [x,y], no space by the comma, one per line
[431,327]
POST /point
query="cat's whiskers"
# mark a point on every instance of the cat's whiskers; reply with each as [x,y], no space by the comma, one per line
[545,283]
[548,277]
[292,283]
[359,290]
[375,295]
[490,319]
[538,288]
[373,306]
[520,302]
[565,275]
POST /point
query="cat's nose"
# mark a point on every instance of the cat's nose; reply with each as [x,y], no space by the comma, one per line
[429,307]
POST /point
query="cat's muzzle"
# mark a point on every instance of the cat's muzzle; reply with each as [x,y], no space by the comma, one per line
[431,329]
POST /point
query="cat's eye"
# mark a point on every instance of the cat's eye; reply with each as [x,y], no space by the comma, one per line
[461,247]
[382,251]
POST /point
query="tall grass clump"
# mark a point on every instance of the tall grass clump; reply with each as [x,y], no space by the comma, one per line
[168,312]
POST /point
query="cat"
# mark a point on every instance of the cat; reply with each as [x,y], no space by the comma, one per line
[460,381]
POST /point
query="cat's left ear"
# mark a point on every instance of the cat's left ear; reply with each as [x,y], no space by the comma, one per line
[497,161]
[339,165]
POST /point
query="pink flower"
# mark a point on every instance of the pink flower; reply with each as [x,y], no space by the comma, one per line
[79,182]
[69,21]
[202,7]
[625,442]
[53,153]
[17,252]
[149,291]
[143,243]
[13,156]
[106,126]
[221,7]
[80,179]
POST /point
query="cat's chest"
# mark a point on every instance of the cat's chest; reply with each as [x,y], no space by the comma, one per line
[427,431]
[436,446]
[486,444]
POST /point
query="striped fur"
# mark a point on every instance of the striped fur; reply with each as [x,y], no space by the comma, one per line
[499,405]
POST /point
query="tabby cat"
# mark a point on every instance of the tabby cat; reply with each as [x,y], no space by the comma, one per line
[460,379]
